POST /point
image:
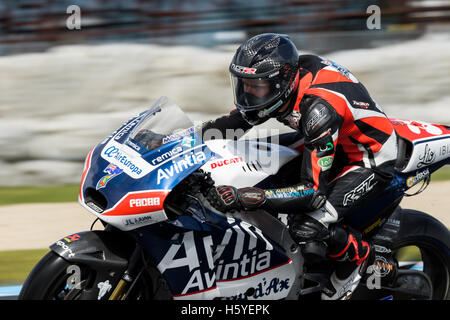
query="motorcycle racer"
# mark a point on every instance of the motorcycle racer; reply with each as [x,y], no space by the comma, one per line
[349,149]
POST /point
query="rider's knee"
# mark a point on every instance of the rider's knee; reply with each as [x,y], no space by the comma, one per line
[311,235]
[304,228]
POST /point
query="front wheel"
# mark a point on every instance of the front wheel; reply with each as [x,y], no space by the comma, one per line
[54,278]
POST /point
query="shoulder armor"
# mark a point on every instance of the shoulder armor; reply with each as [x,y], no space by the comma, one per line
[318,117]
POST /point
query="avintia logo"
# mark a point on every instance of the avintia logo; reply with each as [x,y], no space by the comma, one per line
[177,167]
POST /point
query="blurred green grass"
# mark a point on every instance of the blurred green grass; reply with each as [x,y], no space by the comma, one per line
[62,193]
[441,174]
[409,253]
[16,265]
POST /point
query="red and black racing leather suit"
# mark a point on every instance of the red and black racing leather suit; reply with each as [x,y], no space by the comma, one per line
[349,143]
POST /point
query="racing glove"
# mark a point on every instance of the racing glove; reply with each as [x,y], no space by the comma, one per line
[229,198]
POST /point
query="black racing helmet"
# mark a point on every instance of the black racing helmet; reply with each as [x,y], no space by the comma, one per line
[264,75]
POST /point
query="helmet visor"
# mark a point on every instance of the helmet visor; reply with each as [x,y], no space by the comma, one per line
[254,93]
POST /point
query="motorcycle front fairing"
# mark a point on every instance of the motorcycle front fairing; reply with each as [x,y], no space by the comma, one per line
[127,177]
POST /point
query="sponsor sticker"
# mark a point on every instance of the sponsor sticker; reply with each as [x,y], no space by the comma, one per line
[127,128]
[413,180]
[226,162]
[137,203]
[263,289]
[338,67]
[178,135]
[289,192]
[73,237]
[427,157]
[138,220]
[188,142]
[242,69]
[166,155]
[94,207]
[267,111]
[104,287]
[177,167]
[381,266]
[112,171]
[360,190]
[444,150]
[115,153]
[127,160]
[145,202]
[315,119]
[364,105]
[66,249]
[325,163]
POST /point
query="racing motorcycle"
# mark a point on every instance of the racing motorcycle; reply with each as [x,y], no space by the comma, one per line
[147,184]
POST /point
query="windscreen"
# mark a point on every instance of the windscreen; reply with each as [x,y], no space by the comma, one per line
[162,123]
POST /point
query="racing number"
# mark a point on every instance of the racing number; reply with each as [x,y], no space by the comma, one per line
[74,280]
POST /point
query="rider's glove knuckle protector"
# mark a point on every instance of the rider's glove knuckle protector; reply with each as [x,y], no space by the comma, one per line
[230,198]
[251,198]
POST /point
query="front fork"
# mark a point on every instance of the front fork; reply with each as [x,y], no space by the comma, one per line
[130,276]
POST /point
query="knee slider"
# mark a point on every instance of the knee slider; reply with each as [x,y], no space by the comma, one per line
[305,228]
[311,234]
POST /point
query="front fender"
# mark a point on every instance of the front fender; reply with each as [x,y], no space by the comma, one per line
[99,249]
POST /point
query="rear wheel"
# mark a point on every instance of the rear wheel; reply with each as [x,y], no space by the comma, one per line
[430,263]
[415,269]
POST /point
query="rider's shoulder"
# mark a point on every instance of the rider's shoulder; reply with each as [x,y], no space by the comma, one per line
[317,113]
[311,62]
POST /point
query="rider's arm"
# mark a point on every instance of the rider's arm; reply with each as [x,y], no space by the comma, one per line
[231,126]
[320,124]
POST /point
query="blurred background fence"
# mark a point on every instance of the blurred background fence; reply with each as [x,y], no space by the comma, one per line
[62,90]
[28,25]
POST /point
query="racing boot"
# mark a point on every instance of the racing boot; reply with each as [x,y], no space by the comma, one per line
[353,256]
